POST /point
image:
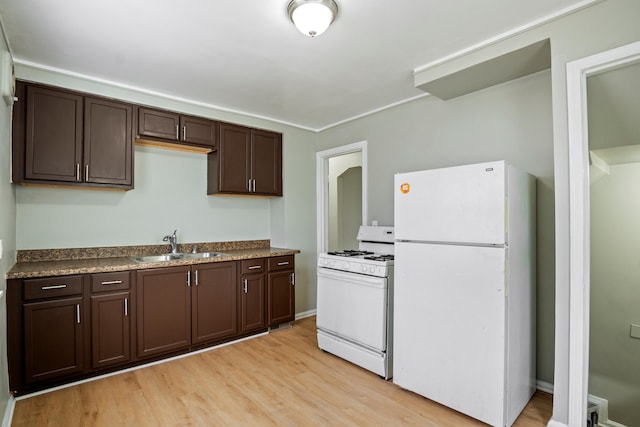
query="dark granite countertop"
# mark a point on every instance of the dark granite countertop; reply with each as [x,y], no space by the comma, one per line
[61,262]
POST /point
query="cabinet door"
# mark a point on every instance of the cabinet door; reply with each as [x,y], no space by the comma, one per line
[233,157]
[252,302]
[53,135]
[53,339]
[108,142]
[280,297]
[158,124]
[163,310]
[266,162]
[110,329]
[214,302]
[198,131]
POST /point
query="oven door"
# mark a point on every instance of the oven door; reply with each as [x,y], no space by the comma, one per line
[353,307]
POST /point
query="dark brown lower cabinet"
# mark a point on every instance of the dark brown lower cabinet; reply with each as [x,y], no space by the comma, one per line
[163,310]
[252,302]
[65,328]
[53,339]
[110,329]
[281,297]
[110,319]
[214,302]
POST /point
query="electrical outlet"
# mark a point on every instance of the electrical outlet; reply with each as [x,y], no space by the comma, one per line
[635,331]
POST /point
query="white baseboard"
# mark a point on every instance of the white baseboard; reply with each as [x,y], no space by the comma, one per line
[553,423]
[8,412]
[304,314]
[544,386]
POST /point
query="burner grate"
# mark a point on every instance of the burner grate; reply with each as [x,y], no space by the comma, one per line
[380,257]
[350,252]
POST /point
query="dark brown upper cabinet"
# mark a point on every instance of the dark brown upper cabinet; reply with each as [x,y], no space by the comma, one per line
[167,126]
[62,137]
[248,161]
[108,143]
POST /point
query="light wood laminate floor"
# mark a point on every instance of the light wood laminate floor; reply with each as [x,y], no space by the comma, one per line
[282,379]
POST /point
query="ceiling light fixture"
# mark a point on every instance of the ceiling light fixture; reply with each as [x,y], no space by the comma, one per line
[312,17]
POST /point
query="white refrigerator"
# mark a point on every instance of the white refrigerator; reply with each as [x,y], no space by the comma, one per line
[464,322]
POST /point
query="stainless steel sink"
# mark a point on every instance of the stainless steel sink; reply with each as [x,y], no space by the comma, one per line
[175,257]
[201,255]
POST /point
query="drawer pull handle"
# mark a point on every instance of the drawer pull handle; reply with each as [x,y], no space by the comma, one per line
[78,313]
[112,282]
[253,267]
[126,307]
[246,283]
[47,288]
[293,279]
[284,263]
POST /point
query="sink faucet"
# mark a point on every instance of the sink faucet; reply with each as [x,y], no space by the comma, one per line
[173,241]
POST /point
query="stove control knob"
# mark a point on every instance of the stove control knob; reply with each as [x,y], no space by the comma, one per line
[363,267]
[347,266]
[332,263]
[372,268]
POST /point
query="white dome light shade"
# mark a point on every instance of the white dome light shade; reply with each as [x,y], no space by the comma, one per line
[312,17]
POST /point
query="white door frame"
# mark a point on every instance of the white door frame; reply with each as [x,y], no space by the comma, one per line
[322,188]
[579,226]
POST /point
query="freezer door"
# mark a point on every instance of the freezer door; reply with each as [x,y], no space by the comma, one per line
[463,204]
[449,326]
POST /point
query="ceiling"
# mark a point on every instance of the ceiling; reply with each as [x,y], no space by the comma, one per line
[246,56]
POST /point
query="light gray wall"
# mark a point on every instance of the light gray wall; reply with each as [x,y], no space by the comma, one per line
[7,233]
[170,193]
[614,371]
[511,121]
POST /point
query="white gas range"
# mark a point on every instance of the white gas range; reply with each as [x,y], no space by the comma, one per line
[355,301]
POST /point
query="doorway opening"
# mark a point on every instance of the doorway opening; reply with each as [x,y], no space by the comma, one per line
[579,220]
[341,177]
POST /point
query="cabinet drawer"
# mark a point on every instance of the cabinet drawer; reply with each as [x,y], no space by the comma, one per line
[281,263]
[105,282]
[52,287]
[252,266]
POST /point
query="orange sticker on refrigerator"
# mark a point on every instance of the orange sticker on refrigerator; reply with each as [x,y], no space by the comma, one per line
[405,188]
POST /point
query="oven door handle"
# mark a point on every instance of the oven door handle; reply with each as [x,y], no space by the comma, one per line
[355,278]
